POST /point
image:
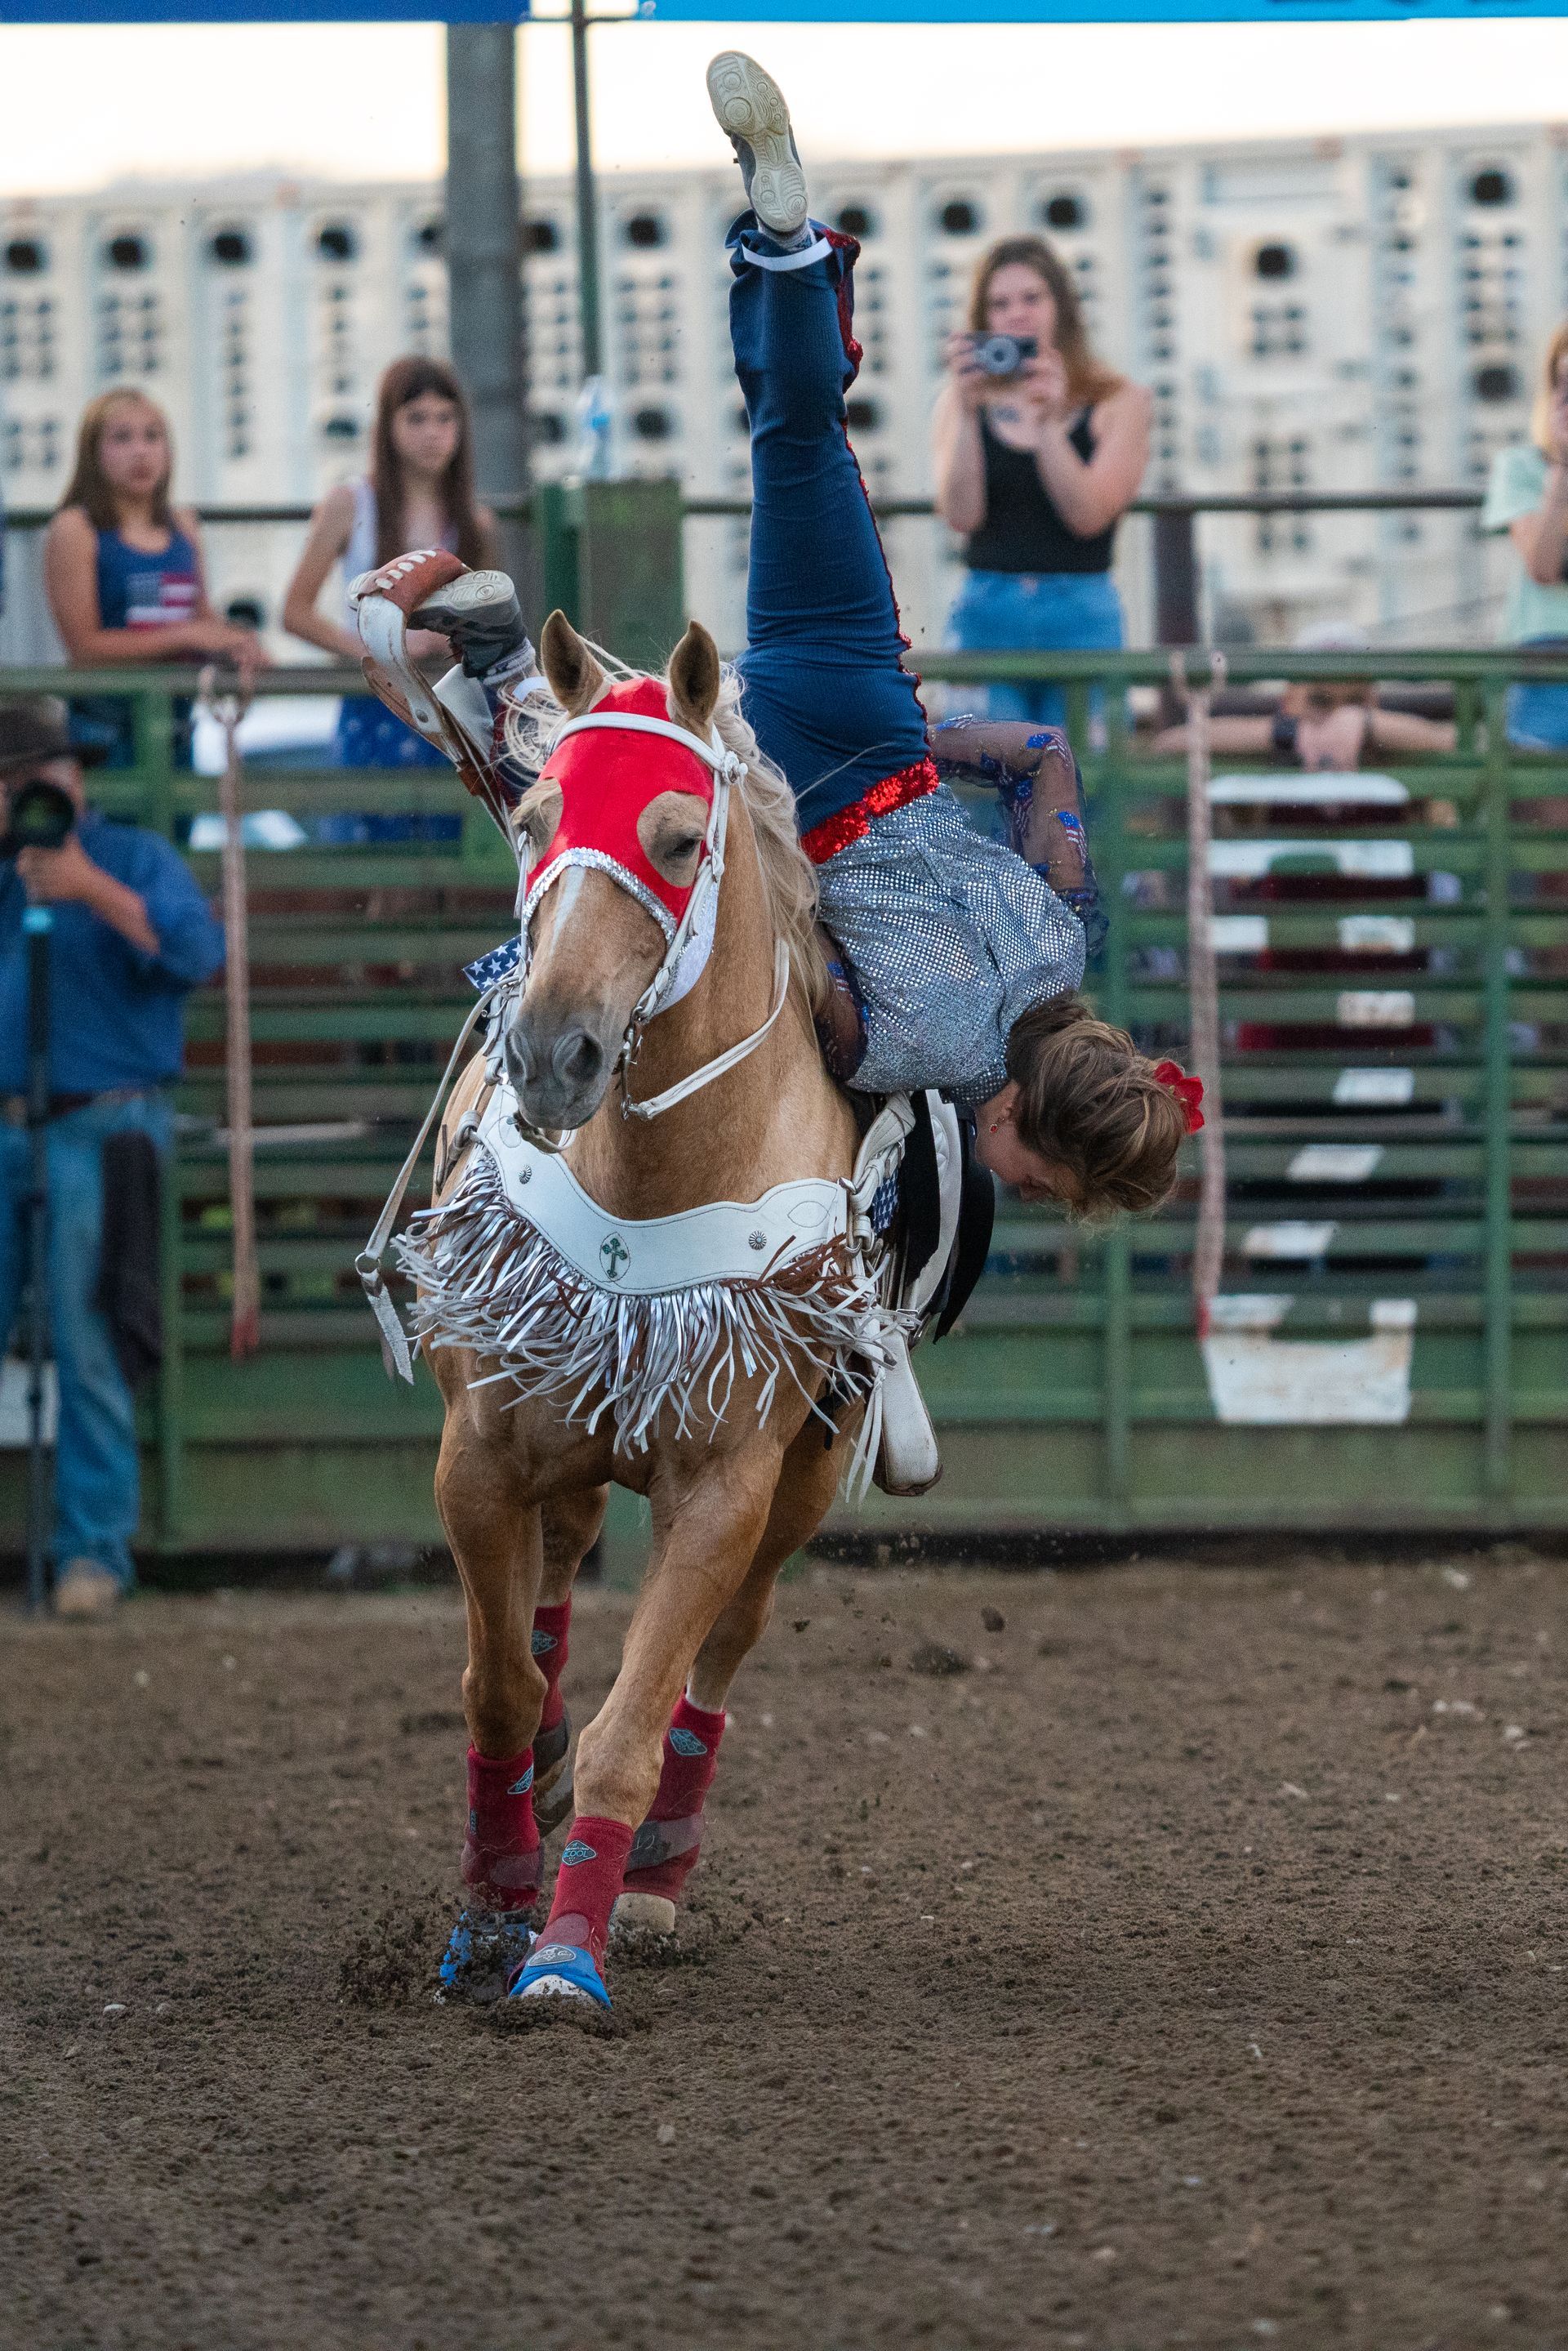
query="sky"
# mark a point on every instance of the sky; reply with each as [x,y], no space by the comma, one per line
[84,106]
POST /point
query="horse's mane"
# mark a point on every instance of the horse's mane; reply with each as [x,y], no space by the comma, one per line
[789,878]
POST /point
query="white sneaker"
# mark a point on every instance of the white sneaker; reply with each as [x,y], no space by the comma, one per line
[751,110]
[83,1589]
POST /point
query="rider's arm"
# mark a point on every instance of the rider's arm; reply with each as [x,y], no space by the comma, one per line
[1034,772]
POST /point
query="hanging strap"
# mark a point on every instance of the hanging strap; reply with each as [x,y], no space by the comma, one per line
[368,1264]
[1203,985]
[228,706]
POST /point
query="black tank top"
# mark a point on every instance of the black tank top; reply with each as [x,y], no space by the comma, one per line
[1023,530]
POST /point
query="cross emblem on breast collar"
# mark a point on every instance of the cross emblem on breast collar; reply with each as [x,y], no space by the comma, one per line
[614,1255]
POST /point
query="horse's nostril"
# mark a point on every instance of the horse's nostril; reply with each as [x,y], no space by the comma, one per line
[519,1059]
[578,1059]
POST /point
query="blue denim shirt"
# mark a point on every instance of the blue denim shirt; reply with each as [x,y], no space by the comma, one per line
[116,1015]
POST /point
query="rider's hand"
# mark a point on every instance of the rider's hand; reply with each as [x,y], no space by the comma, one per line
[427,645]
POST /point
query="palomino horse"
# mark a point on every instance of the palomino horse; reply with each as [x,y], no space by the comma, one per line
[523,1481]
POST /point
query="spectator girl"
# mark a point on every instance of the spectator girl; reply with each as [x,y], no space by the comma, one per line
[1528,497]
[419,493]
[1035,468]
[123,570]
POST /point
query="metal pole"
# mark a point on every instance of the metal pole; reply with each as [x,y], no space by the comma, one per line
[1175,577]
[1497,1343]
[484,249]
[37,922]
[588,211]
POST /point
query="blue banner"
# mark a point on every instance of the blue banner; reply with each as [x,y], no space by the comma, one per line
[248,12]
[857,11]
[1092,11]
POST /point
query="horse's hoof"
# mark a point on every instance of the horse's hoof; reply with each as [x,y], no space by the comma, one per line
[558,1972]
[642,1914]
[484,1950]
[552,1774]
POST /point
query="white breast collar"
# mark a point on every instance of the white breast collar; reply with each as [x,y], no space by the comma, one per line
[726,1240]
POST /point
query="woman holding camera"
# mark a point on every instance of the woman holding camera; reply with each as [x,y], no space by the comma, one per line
[1039,450]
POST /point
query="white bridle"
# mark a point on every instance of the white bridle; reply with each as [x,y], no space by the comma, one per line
[688,943]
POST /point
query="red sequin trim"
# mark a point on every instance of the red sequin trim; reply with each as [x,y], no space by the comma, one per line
[853,823]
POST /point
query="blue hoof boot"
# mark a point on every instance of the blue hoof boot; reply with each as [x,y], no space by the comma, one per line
[485,1949]
[558,1972]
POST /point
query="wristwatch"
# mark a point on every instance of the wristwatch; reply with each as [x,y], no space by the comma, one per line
[1283,734]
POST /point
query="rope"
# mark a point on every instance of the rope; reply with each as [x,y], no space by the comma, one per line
[1203,985]
[228,707]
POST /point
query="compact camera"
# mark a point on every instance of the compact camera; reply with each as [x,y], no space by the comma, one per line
[1001,355]
[42,816]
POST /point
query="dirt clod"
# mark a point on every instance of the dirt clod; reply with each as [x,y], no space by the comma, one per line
[935,1657]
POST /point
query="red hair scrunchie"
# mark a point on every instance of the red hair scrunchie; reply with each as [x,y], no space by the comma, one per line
[1188,1091]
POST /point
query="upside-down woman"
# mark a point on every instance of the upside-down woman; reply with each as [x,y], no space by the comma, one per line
[959,955]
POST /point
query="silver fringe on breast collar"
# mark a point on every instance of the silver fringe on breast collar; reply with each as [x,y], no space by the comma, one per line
[490,1280]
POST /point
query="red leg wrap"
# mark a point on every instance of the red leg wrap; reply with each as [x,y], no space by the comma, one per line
[665,1849]
[502,1864]
[593,1862]
[551,1627]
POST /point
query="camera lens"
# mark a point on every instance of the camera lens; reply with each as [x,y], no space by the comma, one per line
[41,815]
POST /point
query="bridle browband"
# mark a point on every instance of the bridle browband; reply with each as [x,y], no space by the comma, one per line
[688,941]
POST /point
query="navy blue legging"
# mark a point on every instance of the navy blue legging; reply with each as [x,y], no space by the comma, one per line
[824,688]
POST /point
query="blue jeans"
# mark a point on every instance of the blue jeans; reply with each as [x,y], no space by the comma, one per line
[1537,715]
[1023,611]
[97,1484]
[824,688]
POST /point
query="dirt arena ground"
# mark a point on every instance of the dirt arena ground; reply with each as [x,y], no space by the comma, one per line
[1186,1969]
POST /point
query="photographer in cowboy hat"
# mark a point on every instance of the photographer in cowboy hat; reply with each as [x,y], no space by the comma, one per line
[131,934]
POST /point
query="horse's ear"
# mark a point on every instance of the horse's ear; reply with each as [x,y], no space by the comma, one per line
[694,680]
[575,679]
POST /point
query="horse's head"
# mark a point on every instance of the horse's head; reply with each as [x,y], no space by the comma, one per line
[614,838]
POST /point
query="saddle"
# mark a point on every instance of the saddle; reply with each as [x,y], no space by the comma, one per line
[936,1231]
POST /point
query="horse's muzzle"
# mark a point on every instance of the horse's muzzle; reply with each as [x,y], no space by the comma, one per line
[559,1070]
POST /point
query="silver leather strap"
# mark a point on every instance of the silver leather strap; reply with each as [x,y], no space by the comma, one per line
[714,754]
[722,1063]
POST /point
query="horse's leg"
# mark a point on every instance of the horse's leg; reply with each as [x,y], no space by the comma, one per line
[571,1523]
[706,1531]
[494,1530]
[665,1849]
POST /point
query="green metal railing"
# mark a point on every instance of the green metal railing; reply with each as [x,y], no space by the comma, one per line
[1075,1394]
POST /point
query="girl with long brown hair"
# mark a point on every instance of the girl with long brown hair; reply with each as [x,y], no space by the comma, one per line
[419,493]
[1039,449]
[123,568]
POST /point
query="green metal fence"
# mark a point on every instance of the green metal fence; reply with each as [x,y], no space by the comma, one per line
[1395,1003]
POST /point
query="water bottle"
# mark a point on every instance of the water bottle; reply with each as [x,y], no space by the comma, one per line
[596,453]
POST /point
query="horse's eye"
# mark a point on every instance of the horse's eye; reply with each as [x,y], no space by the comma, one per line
[536,819]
